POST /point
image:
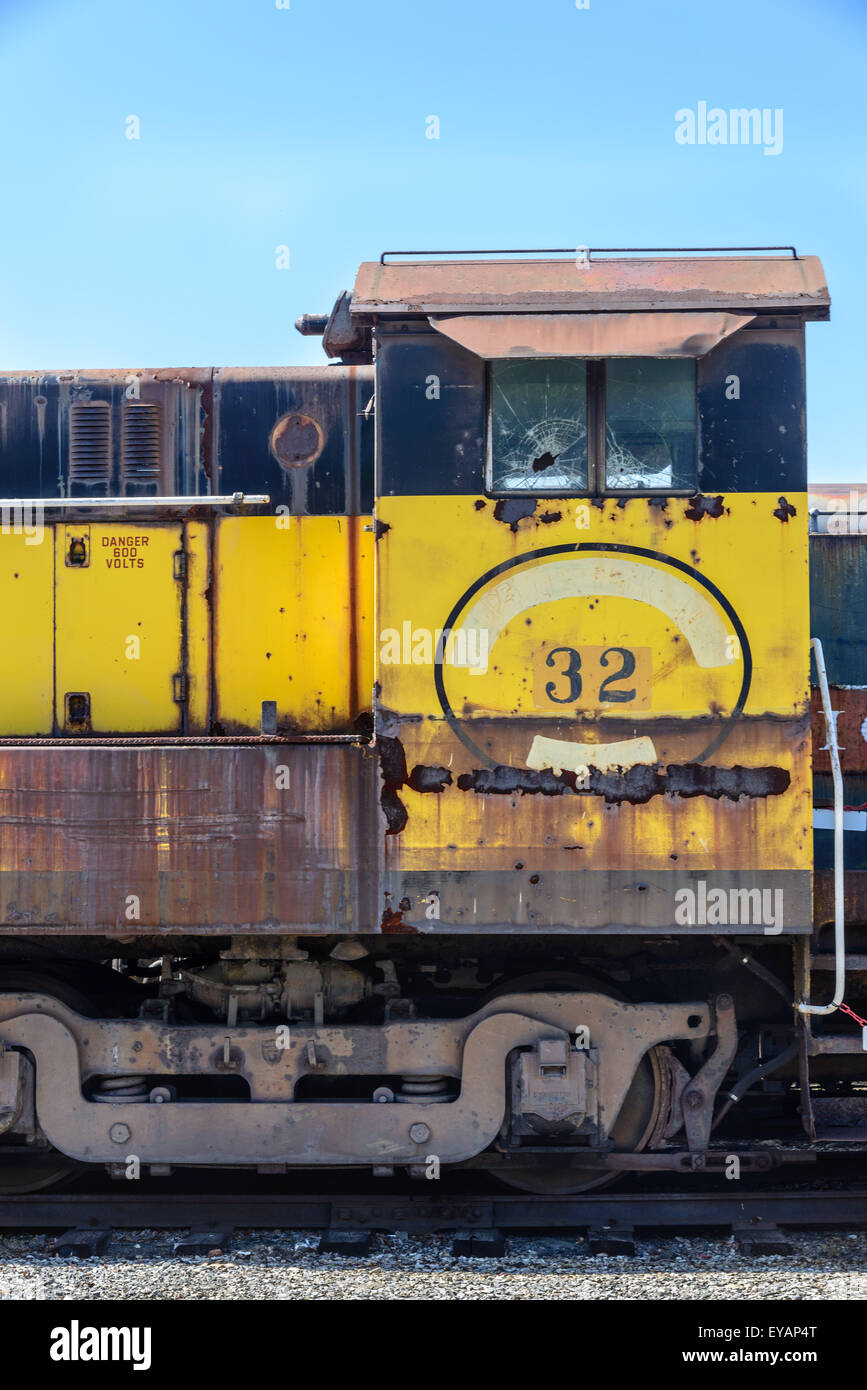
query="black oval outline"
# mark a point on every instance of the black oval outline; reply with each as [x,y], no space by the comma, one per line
[603,546]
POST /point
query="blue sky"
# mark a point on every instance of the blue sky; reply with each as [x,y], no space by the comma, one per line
[305,127]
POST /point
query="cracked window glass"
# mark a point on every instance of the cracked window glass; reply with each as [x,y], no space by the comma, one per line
[539,425]
[650,432]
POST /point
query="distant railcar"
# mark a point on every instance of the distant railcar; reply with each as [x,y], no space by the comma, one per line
[411,759]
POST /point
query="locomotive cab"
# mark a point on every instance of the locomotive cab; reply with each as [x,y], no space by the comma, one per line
[592,480]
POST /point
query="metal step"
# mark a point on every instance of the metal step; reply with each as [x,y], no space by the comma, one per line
[825,961]
[838,1044]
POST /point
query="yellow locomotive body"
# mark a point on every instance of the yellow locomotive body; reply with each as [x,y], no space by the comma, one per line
[702,771]
[180,626]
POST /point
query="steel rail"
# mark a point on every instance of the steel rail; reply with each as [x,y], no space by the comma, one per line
[389,1212]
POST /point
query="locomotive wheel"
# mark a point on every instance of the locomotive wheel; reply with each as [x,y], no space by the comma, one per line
[87,987]
[19,1175]
[645,1102]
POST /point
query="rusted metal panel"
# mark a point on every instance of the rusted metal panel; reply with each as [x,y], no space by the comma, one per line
[130,840]
[739,283]
[850,709]
[519,897]
[590,335]
[145,841]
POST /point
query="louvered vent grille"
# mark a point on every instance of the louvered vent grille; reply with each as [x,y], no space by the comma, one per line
[141,443]
[90,443]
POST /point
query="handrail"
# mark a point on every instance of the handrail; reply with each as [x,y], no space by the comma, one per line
[234,499]
[599,251]
[839,923]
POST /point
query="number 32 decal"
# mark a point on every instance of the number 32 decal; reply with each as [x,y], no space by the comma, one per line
[593,677]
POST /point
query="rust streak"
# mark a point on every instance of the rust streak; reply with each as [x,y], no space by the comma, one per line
[392,923]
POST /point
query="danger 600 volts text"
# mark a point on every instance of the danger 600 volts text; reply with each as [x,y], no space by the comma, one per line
[124,551]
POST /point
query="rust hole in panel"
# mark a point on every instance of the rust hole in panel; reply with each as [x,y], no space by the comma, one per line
[392,765]
[700,506]
[511,510]
[635,786]
[429,779]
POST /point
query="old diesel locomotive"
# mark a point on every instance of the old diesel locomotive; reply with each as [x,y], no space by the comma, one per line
[407,762]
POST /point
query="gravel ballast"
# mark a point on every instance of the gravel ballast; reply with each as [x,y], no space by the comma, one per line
[269,1265]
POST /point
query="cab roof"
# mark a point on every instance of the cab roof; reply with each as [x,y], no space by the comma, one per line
[418,283]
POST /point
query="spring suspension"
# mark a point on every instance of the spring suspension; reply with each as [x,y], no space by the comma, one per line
[422,1090]
[120,1090]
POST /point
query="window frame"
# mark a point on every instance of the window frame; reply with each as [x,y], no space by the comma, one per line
[596,422]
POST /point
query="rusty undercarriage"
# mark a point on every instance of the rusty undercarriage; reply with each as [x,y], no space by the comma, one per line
[520,1068]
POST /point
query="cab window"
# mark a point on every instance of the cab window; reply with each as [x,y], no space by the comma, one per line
[562,425]
[538,425]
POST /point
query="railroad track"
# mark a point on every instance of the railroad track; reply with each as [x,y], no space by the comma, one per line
[756,1217]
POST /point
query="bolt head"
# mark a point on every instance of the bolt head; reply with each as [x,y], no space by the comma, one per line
[419,1133]
[693,1100]
[118,1134]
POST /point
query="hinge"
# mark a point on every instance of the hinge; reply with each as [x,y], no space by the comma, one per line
[179,564]
[180,687]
